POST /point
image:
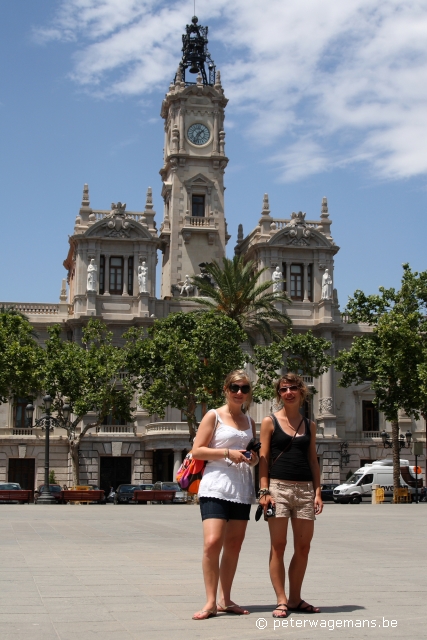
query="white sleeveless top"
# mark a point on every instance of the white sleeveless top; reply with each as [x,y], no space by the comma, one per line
[221,479]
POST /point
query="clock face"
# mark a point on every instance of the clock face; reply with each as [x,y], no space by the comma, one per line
[198,134]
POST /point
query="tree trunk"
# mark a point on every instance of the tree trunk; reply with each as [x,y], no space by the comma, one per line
[74,451]
[396,456]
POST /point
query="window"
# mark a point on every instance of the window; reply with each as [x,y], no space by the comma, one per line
[20,419]
[285,283]
[297,282]
[368,479]
[116,276]
[370,416]
[113,419]
[130,276]
[198,206]
[310,282]
[102,275]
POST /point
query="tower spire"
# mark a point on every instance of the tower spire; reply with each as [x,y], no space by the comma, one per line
[195,54]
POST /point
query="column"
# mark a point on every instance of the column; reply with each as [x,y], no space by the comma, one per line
[181,130]
[176,462]
[326,417]
[215,132]
[125,276]
[306,282]
[107,275]
[288,278]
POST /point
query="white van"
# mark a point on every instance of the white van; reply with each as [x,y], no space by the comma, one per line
[379,472]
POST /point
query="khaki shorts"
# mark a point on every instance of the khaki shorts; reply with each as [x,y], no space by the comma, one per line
[293,499]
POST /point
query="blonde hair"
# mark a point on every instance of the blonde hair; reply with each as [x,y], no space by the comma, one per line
[234,376]
[293,378]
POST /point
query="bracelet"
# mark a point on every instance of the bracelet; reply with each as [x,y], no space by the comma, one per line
[264,492]
[227,453]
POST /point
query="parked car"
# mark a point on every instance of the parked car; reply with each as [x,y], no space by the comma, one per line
[180,495]
[55,490]
[9,486]
[327,491]
[124,493]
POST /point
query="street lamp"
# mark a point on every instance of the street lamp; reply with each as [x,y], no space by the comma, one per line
[47,423]
[404,440]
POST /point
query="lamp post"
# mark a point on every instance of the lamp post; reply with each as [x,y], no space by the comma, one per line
[404,440]
[47,423]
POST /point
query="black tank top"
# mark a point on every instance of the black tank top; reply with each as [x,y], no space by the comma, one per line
[293,462]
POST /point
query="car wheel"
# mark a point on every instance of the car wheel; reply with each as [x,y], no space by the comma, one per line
[355,500]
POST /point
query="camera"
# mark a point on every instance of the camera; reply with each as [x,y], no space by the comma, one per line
[253,445]
[271,511]
[247,454]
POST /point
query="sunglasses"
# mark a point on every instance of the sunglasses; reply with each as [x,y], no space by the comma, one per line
[235,388]
[293,387]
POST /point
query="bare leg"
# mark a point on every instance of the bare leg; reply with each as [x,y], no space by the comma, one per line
[233,539]
[303,533]
[213,536]
[278,534]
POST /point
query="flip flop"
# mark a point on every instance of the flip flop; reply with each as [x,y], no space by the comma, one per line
[229,609]
[308,609]
[211,614]
[284,611]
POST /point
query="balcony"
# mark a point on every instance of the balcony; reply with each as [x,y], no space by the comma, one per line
[116,429]
[163,428]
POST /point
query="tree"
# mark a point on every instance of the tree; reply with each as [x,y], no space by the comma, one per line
[295,352]
[237,293]
[393,356]
[183,362]
[89,376]
[20,357]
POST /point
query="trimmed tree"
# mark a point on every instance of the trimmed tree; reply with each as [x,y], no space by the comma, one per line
[393,356]
[183,360]
[90,377]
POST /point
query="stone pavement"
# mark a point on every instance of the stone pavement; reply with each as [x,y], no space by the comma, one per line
[133,572]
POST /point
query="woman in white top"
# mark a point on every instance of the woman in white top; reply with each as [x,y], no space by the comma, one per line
[226,491]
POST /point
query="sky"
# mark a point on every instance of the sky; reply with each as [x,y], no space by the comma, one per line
[325,99]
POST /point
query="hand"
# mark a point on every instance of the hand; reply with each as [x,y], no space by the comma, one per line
[254,459]
[265,501]
[318,505]
[236,456]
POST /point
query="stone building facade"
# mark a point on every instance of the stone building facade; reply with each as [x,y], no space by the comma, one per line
[111,275]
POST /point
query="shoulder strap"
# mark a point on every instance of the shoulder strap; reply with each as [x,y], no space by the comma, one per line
[273,417]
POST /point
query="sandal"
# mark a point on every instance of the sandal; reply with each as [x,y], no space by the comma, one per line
[285,612]
[211,614]
[229,609]
[307,609]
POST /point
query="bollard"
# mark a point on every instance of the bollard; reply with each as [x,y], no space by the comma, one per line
[374,493]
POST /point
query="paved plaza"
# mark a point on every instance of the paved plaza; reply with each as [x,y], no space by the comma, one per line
[130,572]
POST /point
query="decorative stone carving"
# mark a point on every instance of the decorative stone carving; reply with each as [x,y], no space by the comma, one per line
[142,278]
[277,278]
[327,290]
[325,406]
[297,230]
[92,276]
[187,287]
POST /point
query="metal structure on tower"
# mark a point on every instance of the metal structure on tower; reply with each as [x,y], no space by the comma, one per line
[195,53]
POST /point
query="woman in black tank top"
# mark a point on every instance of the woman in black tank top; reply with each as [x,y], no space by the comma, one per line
[290,483]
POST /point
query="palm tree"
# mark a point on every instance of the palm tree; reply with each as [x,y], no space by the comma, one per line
[237,292]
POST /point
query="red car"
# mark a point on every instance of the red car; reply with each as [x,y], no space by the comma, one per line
[55,490]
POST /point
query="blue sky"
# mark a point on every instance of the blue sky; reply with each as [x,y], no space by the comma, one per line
[326,99]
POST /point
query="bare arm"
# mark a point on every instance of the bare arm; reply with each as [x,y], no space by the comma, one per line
[266,433]
[201,449]
[315,470]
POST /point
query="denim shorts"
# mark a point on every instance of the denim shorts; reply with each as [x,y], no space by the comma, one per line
[223,509]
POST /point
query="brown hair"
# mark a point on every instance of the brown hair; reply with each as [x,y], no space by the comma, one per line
[292,378]
[234,376]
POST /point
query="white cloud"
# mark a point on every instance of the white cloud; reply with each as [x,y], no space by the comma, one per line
[345,81]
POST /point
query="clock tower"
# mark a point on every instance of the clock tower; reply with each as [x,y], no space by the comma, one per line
[194,229]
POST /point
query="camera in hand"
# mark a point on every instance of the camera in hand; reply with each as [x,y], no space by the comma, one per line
[253,445]
[271,511]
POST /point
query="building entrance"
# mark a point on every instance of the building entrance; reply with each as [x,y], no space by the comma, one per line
[114,471]
[22,470]
[163,465]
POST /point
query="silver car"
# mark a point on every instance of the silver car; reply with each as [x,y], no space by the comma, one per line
[180,495]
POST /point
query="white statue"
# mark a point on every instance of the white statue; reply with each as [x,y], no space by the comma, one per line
[142,278]
[277,280]
[326,286]
[187,287]
[92,276]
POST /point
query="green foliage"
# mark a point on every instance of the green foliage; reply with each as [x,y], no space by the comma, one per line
[21,357]
[52,477]
[393,357]
[183,361]
[87,375]
[238,294]
[295,352]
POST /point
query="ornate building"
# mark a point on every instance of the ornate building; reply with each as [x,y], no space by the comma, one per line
[111,266]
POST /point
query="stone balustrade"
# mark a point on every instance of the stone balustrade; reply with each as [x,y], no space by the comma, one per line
[281,223]
[32,308]
[166,427]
